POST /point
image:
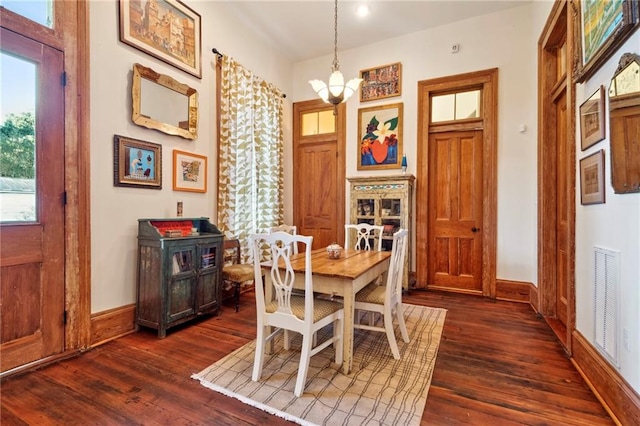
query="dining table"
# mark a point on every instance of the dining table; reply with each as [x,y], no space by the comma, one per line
[342,277]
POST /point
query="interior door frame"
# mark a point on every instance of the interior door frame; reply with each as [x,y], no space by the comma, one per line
[560,24]
[298,141]
[488,80]
[70,34]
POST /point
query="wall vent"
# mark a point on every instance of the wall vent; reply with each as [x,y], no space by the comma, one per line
[606,306]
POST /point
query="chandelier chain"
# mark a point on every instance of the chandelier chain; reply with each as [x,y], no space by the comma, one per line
[336,65]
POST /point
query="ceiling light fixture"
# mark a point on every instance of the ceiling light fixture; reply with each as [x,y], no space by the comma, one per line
[337,91]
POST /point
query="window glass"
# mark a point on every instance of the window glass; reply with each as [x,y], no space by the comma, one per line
[40,11]
[316,123]
[309,124]
[468,105]
[442,108]
[17,139]
[327,122]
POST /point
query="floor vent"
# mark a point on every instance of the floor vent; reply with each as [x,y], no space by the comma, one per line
[607,297]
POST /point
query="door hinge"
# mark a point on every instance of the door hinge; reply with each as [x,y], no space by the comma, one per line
[64,78]
[64,318]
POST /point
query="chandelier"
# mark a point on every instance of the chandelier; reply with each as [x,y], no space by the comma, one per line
[337,91]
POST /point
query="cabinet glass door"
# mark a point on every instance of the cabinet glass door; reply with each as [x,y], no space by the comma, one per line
[391,220]
[208,288]
[366,211]
[181,291]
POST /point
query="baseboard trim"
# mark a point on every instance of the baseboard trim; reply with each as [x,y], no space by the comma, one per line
[614,393]
[533,298]
[513,291]
[111,324]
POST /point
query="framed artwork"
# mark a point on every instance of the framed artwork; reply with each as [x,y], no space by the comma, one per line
[189,172]
[592,119]
[602,26]
[380,136]
[166,29]
[381,82]
[136,163]
[592,178]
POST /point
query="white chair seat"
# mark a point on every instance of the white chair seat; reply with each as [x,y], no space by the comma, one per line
[321,308]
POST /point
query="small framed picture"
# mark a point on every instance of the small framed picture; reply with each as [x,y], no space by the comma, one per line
[592,119]
[136,163]
[381,82]
[592,178]
[189,172]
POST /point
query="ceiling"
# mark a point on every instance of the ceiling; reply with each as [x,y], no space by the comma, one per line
[304,29]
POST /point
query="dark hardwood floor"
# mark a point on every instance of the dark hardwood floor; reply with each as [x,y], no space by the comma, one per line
[498,364]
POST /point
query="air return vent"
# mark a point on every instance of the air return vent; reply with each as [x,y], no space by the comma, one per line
[606,306]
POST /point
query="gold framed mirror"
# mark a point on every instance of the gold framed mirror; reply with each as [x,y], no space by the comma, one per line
[624,122]
[160,102]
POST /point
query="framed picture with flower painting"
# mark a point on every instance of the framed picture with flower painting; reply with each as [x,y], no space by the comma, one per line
[380,136]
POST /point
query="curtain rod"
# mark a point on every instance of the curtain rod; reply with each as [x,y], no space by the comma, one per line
[219,55]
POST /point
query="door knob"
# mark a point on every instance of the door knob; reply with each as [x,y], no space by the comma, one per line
[474,229]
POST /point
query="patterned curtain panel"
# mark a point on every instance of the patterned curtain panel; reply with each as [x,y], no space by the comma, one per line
[251,181]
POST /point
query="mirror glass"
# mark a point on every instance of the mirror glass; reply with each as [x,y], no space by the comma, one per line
[624,122]
[159,102]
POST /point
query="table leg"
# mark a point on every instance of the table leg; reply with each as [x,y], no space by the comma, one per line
[347,333]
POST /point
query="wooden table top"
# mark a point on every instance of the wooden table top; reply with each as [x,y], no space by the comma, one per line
[351,264]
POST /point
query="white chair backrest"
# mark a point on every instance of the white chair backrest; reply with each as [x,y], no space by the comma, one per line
[396,266]
[364,234]
[291,229]
[281,273]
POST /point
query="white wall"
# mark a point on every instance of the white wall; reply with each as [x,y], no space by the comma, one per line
[115,210]
[510,45]
[614,225]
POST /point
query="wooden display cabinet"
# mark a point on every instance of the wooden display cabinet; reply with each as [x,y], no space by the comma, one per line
[179,277]
[386,201]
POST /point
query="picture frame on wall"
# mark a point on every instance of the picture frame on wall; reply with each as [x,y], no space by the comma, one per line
[189,172]
[381,82]
[380,136]
[592,122]
[136,163]
[168,30]
[602,26]
[592,179]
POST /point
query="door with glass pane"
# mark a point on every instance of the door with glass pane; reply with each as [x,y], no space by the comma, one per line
[32,252]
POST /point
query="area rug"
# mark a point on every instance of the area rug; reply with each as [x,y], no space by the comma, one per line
[379,391]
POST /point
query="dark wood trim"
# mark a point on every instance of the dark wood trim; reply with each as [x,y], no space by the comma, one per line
[614,393]
[558,29]
[488,80]
[112,323]
[534,298]
[514,291]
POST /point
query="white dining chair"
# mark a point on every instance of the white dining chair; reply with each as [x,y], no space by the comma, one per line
[291,229]
[289,312]
[364,233]
[386,300]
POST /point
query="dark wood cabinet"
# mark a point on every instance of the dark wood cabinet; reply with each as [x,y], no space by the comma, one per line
[179,271]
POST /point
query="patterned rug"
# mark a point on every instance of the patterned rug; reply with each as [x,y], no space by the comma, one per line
[379,391]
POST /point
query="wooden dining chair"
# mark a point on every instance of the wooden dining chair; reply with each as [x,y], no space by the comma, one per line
[364,235]
[289,312]
[235,272]
[291,229]
[386,300]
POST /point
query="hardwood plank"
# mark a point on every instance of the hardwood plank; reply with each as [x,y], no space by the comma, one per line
[498,363]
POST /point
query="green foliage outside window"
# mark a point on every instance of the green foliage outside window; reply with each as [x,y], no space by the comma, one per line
[17,146]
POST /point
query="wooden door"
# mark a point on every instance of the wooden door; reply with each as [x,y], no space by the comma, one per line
[455,211]
[318,174]
[563,193]
[32,250]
